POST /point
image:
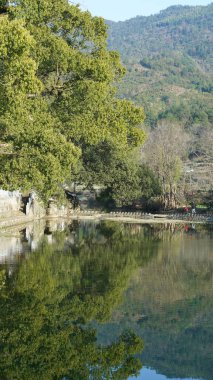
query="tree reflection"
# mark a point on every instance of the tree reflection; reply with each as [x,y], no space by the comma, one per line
[48,300]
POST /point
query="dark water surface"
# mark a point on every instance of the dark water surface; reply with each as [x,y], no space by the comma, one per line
[100,300]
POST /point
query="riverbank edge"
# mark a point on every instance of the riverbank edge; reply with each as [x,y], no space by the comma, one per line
[157,219]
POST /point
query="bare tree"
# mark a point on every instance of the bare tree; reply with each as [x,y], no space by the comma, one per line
[206,144]
[163,153]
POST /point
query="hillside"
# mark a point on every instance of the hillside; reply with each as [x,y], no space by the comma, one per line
[169,60]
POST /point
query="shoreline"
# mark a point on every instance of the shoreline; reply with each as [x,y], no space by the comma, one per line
[17,221]
[143,221]
[21,220]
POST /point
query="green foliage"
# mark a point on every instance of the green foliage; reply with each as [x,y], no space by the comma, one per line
[119,172]
[57,94]
[149,184]
[42,157]
[133,183]
[2,279]
[17,68]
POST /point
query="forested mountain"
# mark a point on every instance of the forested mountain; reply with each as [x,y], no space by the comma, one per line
[169,60]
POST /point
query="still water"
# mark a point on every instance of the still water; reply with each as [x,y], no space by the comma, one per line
[106,301]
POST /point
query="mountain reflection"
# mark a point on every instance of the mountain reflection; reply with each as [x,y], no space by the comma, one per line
[170,304]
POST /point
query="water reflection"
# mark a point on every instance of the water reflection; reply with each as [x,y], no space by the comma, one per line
[170,304]
[50,295]
[78,300]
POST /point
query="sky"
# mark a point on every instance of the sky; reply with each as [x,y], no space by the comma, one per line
[148,374]
[119,10]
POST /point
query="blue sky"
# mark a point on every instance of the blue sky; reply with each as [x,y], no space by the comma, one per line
[149,374]
[124,9]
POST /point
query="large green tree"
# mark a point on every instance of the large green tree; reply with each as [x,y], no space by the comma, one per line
[41,157]
[57,93]
[124,179]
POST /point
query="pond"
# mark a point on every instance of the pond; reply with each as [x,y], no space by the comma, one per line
[106,300]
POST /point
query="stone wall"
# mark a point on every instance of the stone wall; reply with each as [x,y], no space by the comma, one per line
[13,205]
[10,202]
[56,210]
[34,207]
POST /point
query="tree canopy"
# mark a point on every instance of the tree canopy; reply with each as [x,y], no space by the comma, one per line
[57,93]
